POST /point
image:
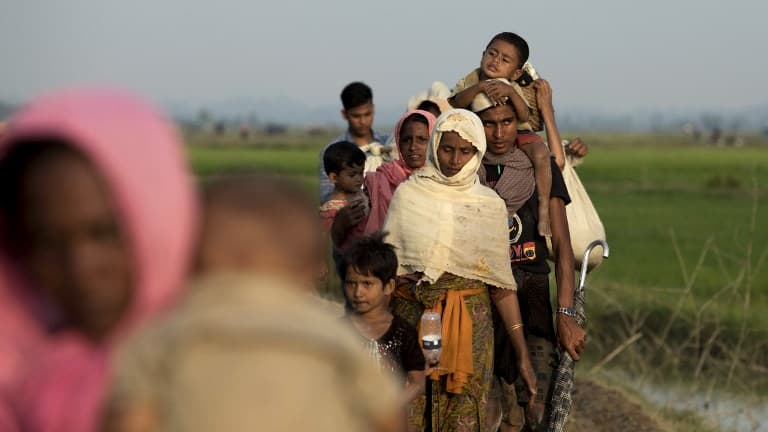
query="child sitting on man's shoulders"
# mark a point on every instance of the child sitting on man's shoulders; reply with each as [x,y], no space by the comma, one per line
[500,66]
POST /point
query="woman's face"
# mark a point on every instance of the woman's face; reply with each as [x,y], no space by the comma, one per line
[413,142]
[453,153]
[71,243]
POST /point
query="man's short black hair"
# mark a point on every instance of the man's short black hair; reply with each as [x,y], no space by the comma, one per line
[356,94]
[518,42]
[370,255]
[342,154]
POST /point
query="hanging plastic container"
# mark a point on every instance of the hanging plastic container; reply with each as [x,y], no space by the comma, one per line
[431,336]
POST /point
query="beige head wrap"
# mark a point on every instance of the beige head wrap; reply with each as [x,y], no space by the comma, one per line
[452,224]
[438,94]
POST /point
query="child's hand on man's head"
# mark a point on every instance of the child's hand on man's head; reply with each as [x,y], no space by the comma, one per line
[498,91]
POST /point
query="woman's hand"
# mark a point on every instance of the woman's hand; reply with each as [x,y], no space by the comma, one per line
[534,412]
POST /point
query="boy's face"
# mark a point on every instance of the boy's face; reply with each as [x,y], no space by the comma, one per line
[349,179]
[73,247]
[359,119]
[500,125]
[413,142]
[366,292]
[453,153]
[501,60]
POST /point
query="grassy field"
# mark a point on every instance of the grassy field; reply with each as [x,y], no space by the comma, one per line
[688,257]
[688,245]
[655,199]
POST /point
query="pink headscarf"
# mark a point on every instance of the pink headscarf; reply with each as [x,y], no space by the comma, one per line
[56,381]
[382,183]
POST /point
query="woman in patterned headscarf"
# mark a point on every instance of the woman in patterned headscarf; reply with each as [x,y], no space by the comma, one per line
[411,140]
[451,238]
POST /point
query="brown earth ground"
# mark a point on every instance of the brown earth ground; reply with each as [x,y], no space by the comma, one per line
[598,408]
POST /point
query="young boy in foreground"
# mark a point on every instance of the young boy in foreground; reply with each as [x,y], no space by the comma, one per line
[369,268]
[248,348]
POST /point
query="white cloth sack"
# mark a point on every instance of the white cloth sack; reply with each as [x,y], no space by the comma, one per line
[377,154]
[583,221]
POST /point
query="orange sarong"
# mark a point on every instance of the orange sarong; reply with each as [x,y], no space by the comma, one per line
[456,360]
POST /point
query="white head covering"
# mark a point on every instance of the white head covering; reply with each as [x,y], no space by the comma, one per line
[482,102]
[469,127]
[452,224]
[437,93]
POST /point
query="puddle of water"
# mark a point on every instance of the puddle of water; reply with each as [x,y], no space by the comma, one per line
[727,411]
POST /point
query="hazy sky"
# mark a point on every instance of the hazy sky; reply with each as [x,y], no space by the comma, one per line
[614,54]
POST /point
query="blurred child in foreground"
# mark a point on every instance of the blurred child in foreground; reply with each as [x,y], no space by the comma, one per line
[249,349]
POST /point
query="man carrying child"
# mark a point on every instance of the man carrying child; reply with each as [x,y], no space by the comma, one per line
[507,170]
[501,66]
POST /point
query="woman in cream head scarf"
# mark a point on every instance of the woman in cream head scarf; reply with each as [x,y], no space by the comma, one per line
[451,239]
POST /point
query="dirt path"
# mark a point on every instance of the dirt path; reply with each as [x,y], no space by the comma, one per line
[599,408]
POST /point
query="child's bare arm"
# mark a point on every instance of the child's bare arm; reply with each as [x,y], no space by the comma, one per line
[464,98]
[538,153]
[544,99]
[346,219]
[415,385]
[499,92]
[521,108]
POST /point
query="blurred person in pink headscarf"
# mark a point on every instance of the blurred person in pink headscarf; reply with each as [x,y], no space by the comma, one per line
[97,213]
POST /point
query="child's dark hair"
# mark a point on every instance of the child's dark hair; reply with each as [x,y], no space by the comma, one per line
[372,256]
[523,51]
[356,94]
[342,154]
[429,106]
[519,43]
